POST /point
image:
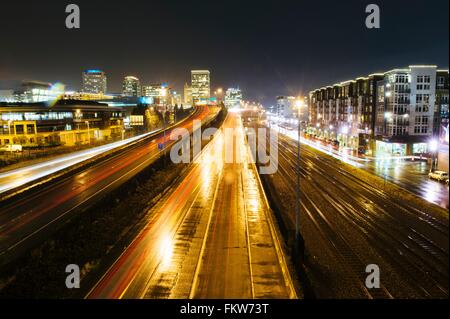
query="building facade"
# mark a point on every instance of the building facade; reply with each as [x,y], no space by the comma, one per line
[131,86]
[187,94]
[61,124]
[233,98]
[441,120]
[158,92]
[200,85]
[94,81]
[285,106]
[391,113]
[32,92]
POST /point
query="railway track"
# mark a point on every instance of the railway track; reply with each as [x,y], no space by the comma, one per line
[406,248]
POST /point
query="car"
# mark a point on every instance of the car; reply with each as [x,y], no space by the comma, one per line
[440,176]
[11,148]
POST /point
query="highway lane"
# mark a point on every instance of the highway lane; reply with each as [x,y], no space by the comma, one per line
[348,224]
[33,216]
[208,238]
[20,176]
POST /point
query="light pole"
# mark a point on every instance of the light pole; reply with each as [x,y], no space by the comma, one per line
[299,244]
[163,94]
[150,117]
[433,147]
[122,128]
[88,132]
[218,94]
[9,129]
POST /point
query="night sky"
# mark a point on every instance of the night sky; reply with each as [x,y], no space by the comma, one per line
[265,48]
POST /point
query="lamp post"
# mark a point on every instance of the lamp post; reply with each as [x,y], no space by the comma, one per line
[9,129]
[89,135]
[218,94]
[150,117]
[433,147]
[122,128]
[163,94]
[299,244]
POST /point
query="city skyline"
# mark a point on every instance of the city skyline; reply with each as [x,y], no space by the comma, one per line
[229,157]
[265,61]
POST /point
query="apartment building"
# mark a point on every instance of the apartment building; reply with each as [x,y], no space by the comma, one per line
[391,113]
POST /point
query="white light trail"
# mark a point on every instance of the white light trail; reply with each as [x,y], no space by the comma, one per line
[20,176]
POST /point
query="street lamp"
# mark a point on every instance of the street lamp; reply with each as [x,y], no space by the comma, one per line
[299,244]
[89,135]
[122,128]
[433,147]
[9,128]
[164,94]
[150,122]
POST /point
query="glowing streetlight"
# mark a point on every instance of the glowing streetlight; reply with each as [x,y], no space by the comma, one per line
[298,104]
[433,145]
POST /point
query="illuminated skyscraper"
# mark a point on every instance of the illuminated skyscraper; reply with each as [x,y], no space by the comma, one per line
[94,81]
[158,91]
[200,85]
[187,94]
[233,98]
[131,86]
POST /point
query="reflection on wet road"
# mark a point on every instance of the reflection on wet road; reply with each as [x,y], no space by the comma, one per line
[211,237]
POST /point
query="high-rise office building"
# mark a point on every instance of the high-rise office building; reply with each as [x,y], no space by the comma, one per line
[158,91]
[200,85]
[153,90]
[131,86]
[94,81]
[175,98]
[187,94]
[233,98]
[285,106]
